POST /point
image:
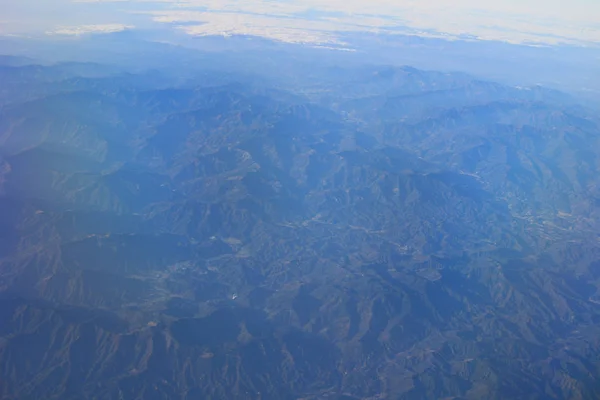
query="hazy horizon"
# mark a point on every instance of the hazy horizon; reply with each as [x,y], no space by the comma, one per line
[314,21]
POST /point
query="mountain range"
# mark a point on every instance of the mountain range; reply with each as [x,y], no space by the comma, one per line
[371,232]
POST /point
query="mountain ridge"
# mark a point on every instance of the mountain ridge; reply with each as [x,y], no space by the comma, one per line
[229,241]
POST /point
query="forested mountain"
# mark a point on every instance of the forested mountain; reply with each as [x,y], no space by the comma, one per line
[373,232]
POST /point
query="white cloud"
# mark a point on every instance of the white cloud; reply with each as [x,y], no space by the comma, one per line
[325,21]
[535,21]
[87,29]
[296,30]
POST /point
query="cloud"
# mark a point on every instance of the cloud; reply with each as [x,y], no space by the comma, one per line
[324,31]
[327,21]
[87,29]
[533,21]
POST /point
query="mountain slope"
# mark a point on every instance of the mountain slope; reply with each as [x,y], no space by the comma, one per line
[426,236]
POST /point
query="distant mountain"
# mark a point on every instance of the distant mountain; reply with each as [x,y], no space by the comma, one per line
[379,232]
[15,61]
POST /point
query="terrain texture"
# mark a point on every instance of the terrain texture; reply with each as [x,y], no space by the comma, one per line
[352,233]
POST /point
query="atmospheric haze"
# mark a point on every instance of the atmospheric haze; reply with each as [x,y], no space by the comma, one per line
[316,21]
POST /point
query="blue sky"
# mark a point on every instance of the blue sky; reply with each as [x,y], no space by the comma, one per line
[318,21]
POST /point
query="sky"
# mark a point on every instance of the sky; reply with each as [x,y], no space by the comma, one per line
[314,21]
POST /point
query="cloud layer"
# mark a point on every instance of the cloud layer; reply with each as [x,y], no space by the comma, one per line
[535,21]
[86,29]
[326,21]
